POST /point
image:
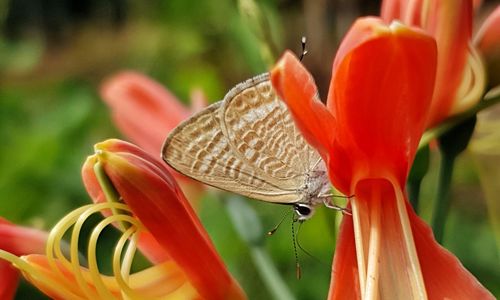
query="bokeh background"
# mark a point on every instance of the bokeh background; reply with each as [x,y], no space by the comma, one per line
[54,55]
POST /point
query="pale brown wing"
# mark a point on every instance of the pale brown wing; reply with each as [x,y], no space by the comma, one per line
[199,149]
[261,131]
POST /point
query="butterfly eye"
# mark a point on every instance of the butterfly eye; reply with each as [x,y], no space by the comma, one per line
[303,211]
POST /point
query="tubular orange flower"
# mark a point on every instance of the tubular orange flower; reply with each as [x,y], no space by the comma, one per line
[19,241]
[170,218]
[378,103]
[139,196]
[145,112]
[142,109]
[460,79]
[146,242]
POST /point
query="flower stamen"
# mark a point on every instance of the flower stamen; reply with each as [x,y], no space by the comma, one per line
[372,278]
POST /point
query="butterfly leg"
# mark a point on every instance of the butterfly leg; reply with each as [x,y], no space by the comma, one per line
[328,202]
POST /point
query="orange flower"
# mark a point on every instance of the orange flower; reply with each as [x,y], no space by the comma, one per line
[138,195]
[378,103]
[461,75]
[145,112]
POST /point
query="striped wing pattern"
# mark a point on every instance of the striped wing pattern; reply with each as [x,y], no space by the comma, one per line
[246,144]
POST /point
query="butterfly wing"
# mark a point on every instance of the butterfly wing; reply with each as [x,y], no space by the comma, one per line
[260,129]
[198,149]
[212,146]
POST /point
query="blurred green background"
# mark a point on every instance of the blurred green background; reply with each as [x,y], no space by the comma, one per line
[54,55]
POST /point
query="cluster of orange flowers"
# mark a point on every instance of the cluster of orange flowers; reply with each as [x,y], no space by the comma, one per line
[393,77]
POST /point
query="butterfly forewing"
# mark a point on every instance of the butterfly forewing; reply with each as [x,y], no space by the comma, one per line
[247,144]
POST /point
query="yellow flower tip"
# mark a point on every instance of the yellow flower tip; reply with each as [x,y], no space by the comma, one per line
[101,155]
[106,145]
[396,25]
[400,29]
[109,157]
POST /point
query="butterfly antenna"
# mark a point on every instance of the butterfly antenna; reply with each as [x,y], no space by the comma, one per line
[272,231]
[304,50]
[298,271]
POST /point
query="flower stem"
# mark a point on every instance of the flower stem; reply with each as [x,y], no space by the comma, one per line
[442,204]
[417,174]
[451,144]
[256,19]
[269,274]
[249,228]
[413,188]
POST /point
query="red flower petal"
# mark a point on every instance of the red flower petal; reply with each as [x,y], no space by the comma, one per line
[345,281]
[17,240]
[488,42]
[142,109]
[445,277]
[488,36]
[392,10]
[450,22]
[380,93]
[9,282]
[146,112]
[296,87]
[20,240]
[408,11]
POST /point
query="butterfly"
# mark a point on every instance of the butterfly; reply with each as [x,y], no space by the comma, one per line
[249,144]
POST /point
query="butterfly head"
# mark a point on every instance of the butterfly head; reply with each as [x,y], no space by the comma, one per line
[303,211]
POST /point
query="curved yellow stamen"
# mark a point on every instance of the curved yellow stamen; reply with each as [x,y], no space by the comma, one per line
[93,266]
[91,255]
[122,271]
[53,247]
[473,83]
[69,280]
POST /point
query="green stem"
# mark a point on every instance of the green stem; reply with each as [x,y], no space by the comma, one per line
[442,203]
[257,21]
[249,228]
[418,171]
[269,274]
